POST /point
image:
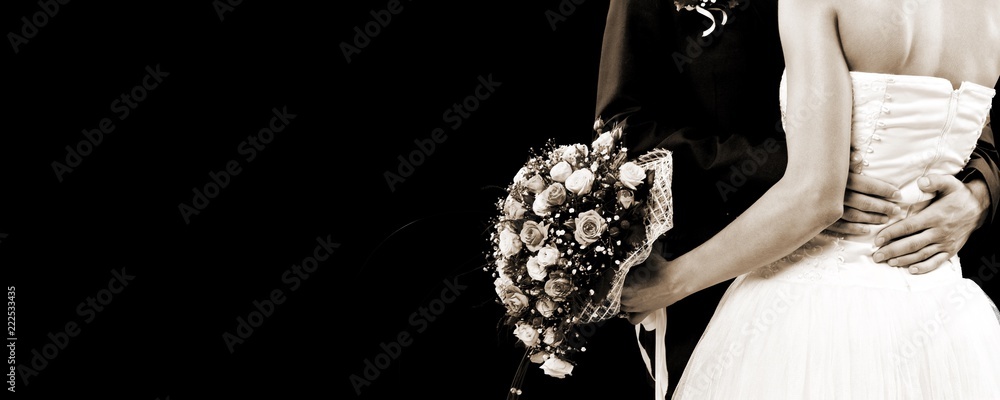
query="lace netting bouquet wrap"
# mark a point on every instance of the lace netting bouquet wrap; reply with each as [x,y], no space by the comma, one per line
[575,219]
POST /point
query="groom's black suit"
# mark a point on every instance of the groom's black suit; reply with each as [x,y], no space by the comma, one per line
[714,102]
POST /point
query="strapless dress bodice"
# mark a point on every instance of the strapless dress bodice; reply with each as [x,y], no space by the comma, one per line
[903,127]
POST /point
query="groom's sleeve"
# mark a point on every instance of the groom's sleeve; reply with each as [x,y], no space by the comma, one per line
[641,90]
[983,164]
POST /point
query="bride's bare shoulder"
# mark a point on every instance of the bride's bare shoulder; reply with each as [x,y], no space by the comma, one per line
[922,37]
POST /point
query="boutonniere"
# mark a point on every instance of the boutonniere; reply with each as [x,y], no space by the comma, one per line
[704,7]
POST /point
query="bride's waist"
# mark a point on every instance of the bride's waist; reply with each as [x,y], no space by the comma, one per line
[906,209]
[848,261]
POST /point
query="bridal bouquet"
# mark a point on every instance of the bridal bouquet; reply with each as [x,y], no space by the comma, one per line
[574,220]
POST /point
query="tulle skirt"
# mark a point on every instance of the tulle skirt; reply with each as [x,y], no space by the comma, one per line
[829,323]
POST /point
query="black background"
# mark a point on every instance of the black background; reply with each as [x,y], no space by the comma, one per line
[321,177]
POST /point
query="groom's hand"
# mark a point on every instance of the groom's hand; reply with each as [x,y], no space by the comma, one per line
[866,203]
[646,287]
[927,239]
[636,318]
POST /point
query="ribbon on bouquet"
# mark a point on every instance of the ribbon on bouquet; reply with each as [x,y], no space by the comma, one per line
[656,322]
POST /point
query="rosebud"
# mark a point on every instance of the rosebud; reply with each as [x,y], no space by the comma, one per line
[614,231]
[626,198]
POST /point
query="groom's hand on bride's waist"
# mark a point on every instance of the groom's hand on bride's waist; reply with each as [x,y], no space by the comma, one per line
[919,242]
[866,203]
[923,241]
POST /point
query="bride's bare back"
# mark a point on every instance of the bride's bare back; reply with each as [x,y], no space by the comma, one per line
[955,40]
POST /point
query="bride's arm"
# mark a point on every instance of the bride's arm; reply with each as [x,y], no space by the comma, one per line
[809,197]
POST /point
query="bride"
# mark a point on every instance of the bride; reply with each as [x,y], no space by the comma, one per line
[895,96]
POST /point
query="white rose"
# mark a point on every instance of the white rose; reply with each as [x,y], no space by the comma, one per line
[603,143]
[552,337]
[547,255]
[513,209]
[573,154]
[503,282]
[536,184]
[535,270]
[545,306]
[580,182]
[557,154]
[561,171]
[541,206]
[556,367]
[502,285]
[631,175]
[519,177]
[514,300]
[510,243]
[554,195]
[589,227]
[527,334]
[539,357]
[534,234]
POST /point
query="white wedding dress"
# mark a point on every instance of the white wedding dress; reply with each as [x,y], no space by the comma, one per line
[827,322]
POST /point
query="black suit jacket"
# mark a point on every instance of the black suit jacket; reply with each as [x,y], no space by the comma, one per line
[713,101]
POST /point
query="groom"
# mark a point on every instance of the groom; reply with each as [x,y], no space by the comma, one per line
[713,101]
